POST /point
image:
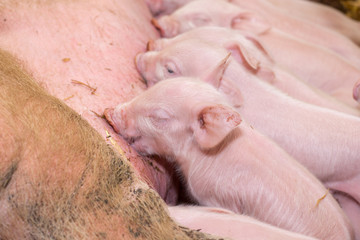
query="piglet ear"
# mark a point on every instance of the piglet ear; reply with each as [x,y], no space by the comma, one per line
[213,124]
[214,76]
[242,56]
[257,42]
[232,92]
[251,22]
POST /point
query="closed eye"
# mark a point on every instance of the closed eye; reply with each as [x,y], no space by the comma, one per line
[170,69]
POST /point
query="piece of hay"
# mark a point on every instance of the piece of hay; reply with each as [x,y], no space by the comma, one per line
[320,199]
[352,8]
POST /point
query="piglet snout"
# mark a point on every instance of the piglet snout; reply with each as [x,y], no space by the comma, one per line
[157,25]
[109,116]
[166,25]
[150,45]
[140,66]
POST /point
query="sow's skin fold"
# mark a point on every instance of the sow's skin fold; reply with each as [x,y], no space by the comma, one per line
[82,53]
[190,122]
[59,179]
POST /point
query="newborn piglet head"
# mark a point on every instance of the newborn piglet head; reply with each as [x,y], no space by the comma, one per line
[173,116]
[118,120]
[178,60]
[155,66]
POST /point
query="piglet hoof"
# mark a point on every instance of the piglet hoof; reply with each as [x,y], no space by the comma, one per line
[356,91]
[108,113]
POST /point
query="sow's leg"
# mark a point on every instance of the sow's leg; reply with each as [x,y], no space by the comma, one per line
[59,179]
[82,52]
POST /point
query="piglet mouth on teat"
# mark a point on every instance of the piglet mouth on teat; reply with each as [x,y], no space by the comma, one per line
[109,113]
[140,67]
[150,45]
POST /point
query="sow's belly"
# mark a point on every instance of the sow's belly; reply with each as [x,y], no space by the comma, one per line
[83,52]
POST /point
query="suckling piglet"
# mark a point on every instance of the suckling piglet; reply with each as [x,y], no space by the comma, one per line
[255,56]
[222,13]
[224,161]
[327,142]
[308,11]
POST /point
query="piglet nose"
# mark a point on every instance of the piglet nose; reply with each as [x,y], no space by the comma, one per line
[109,116]
[150,45]
[157,25]
[140,65]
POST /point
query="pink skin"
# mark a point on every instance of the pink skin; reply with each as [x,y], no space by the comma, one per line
[164,7]
[338,82]
[351,207]
[356,91]
[206,13]
[315,13]
[287,52]
[323,140]
[308,11]
[100,40]
[191,123]
[221,222]
[253,55]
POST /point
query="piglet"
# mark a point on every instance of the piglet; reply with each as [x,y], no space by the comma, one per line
[222,222]
[325,141]
[315,13]
[253,55]
[226,165]
[308,11]
[224,14]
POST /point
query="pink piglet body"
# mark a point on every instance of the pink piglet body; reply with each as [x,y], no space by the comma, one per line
[222,222]
[224,164]
[257,55]
[325,141]
[201,13]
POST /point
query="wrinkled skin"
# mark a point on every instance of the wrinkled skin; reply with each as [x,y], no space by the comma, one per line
[191,123]
[59,179]
[89,45]
[323,140]
[253,55]
[226,223]
[203,13]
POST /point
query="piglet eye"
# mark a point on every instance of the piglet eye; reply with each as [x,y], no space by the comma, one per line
[170,71]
